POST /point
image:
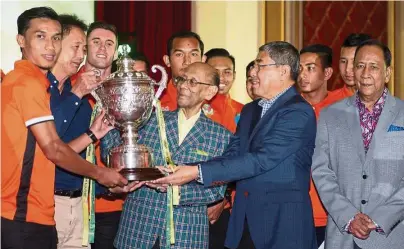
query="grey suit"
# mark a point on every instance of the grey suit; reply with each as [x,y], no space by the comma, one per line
[350,181]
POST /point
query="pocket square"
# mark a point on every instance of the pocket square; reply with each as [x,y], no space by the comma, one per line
[201,152]
[395,128]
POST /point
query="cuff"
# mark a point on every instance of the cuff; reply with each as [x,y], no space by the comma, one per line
[200,176]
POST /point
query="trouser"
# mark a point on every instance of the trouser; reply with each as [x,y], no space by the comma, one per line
[27,235]
[69,222]
[217,230]
[320,234]
[106,226]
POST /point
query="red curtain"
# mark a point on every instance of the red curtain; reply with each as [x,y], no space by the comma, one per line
[151,22]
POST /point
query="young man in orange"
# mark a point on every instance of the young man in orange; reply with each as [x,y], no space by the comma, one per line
[315,71]
[346,61]
[249,80]
[102,44]
[30,145]
[1,75]
[226,111]
[183,48]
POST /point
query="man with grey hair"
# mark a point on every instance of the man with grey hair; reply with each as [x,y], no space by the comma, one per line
[269,158]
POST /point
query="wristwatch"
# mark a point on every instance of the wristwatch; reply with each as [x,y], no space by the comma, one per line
[91,135]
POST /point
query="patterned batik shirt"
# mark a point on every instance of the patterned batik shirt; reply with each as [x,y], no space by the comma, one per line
[368,119]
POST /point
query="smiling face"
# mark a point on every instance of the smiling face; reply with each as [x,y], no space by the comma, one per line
[41,43]
[101,48]
[224,66]
[371,73]
[73,51]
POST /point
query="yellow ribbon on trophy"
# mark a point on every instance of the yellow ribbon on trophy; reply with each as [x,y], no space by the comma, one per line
[88,195]
[172,191]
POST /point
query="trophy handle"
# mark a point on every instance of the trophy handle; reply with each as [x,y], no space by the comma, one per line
[162,83]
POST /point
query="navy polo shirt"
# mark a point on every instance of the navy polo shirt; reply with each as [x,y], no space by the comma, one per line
[72,118]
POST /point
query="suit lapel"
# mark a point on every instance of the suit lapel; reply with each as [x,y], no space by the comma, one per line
[355,128]
[172,131]
[387,117]
[194,137]
[278,103]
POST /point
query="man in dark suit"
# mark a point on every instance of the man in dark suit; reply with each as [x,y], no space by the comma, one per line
[269,157]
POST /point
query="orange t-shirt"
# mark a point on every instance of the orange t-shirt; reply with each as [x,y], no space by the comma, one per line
[320,215]
[27,176]
[343,92]
[1,75]
[168,99]
[101,205]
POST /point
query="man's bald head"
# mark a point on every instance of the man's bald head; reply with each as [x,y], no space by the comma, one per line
[200,83]
[205,71]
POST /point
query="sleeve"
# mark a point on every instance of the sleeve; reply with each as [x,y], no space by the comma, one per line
[293,128]
[338,206]
[109,141]
[195,193]
[64,108]
[33,101]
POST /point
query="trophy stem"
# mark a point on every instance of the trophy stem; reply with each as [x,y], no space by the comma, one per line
[129,135]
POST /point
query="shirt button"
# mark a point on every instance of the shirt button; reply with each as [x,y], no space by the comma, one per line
[77,103]
[65,121]
[51,86]
[245,193]
[364,176]
[363,202]
[55,81]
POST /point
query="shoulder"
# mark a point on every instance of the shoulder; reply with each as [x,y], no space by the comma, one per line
[237,105]
[214,128]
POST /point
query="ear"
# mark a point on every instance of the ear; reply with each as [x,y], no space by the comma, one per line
[20,40]
[234,75]
[328,73]
[211,92]
[204,58]
[166,60]
[285,71]
[388,74]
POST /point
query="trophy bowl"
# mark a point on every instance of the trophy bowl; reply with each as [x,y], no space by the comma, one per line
[128,97]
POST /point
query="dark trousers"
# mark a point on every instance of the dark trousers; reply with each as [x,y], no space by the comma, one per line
[217,230]
[106,226]
[246,241]
[27,235]
[320,234]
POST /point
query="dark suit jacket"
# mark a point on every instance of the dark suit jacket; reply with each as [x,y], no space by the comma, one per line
[270,158]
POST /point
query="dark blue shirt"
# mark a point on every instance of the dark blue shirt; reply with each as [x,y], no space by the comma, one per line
[72,118]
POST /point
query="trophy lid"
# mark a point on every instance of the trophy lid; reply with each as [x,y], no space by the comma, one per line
[125,72]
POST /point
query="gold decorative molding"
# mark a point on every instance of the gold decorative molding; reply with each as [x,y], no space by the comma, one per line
[398,52]
[391,40]
[274,21]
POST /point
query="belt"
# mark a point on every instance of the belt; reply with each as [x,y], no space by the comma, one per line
[69,193]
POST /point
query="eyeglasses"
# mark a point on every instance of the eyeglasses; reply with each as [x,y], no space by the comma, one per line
[192,82]
[260,66]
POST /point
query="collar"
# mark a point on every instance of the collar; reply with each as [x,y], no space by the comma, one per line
[30,68]
[272,100]
[379,103]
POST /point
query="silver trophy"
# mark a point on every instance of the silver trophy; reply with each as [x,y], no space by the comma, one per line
[128,98]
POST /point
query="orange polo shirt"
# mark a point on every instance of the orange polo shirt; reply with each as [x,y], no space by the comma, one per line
[168,99]
[320,215]
[27,176]
[343,92]
[1,75]
[101,205]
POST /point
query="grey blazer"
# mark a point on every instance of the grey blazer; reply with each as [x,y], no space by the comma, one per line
[350,181]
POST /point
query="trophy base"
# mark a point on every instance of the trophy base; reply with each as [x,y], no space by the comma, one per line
[141,174]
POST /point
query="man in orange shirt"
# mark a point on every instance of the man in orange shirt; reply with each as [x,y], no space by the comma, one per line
[102,44]
[315,71]
[1,75]
[30,145]
[346,61]
[183,48]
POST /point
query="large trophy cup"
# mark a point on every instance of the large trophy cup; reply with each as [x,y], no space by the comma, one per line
[128,97]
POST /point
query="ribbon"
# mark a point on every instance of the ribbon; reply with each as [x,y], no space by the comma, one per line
[88,196]
[172,191]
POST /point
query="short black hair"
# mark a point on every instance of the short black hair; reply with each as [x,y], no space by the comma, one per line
[103,25]
[324,53]
[248,68]
[216,78]
[24,19]
[355,39]
[382,46]
[284,53]
[184,34]
[220,52]
[139,56]
[71,21]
